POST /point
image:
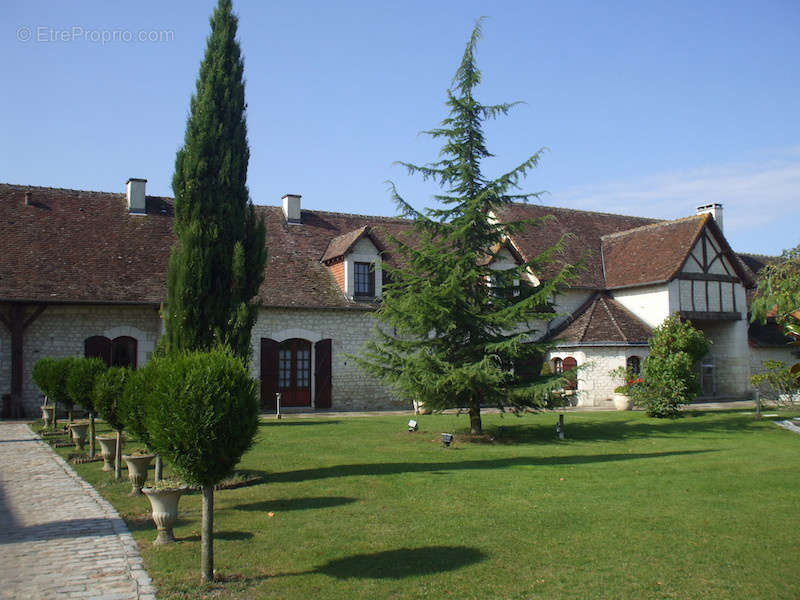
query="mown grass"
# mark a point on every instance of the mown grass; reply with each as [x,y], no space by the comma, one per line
[625,507]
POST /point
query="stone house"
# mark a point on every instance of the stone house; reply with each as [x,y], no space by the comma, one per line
[83,273]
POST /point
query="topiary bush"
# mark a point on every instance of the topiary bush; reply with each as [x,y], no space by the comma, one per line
[669,371]
[132,407]
[108,391]
[201,414]
[83,372]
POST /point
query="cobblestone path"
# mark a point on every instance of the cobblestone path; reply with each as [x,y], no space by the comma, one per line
[58,537]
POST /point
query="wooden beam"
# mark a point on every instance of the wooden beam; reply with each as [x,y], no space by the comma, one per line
[709,277]
[695,315]
[35,315]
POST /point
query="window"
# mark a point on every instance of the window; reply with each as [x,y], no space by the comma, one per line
[119,352]
[634,365]
[363,279]
[558,365]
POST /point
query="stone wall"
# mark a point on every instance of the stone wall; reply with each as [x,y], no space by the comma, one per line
[61,330]
[730,353]
[352,388]
[595,385]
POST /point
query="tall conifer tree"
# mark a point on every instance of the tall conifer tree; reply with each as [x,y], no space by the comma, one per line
[450,328]
[217,264]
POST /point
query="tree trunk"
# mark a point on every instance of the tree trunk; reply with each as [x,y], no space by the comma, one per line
[159,468]
[475,425]
[207,535]
[118,457]
[91,435]
[55,415]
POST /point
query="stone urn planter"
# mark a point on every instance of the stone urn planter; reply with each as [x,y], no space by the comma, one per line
[622,402]
[164,502]
[78,432]
[137,471]
[108,449]
[48,415]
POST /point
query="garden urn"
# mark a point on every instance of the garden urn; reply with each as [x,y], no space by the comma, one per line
[108,449]
[78,431]
[164,502]
[622,402]
[137,471]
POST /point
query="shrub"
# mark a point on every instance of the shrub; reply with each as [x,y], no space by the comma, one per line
[201,413]
[81,379]
[107,395]
[132,406]
[43,375]
[778,380]
[670,377]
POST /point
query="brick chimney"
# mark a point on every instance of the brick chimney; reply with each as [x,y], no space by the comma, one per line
[715,210]
[291,208]
[135,195]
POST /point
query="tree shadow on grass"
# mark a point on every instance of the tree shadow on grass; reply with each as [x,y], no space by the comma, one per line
[395,564]
[584,428]
[416,467]
[288,504]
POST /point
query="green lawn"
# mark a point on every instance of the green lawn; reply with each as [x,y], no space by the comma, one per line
[626,507]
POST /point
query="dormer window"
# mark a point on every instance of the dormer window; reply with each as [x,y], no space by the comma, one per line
[363,280]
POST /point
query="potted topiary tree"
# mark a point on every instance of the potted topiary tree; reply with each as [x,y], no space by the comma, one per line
[133,408]
[202,415]
[108,391]
[42,375]
[80,385]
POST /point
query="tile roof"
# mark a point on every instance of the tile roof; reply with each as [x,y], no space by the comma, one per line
[602,320]
[650,254]
[584,230]
[77,246]
[295,275]
[341,244]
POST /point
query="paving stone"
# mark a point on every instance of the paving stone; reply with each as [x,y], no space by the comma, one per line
[59,537]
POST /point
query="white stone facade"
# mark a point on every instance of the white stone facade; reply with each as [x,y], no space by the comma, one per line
[352,388]
[61,331]
[595,384]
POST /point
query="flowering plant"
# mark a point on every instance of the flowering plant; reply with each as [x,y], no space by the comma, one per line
[629,378]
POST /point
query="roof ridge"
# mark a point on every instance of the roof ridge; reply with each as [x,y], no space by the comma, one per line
[590,316]
[580,210]
[607,306]
[60,189]
[617,234]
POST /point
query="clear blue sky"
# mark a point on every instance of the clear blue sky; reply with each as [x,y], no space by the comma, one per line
[647,108]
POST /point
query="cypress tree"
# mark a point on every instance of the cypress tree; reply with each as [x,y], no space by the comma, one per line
[451,330]
[217,264]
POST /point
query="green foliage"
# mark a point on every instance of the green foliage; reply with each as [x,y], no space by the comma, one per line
[44,375]
[779,289]
[451,328]
[83,372]
[777,381]
[629,380]
[202,413]
[133,404]
[217,264]
[669,371]
[107,395]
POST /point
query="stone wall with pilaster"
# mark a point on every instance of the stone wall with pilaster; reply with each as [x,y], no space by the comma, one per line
[61,331]
[731,357]
[595,384]
[349,330]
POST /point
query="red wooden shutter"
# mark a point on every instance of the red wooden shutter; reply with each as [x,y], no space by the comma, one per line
[323,359]
[569,364]
[98,346]
[269,373]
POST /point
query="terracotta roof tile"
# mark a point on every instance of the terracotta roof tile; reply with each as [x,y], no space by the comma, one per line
[77,246]
[341,244]
[602,320]
[584,230]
